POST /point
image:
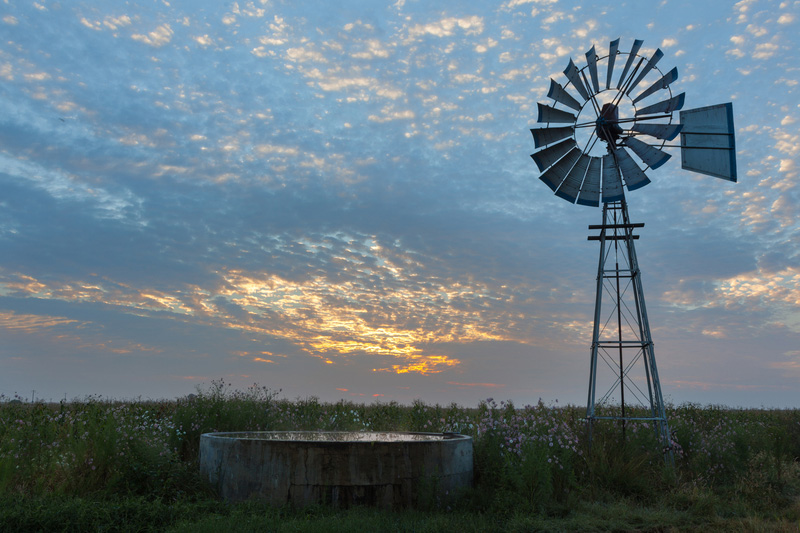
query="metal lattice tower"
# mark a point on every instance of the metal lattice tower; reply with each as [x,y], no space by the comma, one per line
[622,357]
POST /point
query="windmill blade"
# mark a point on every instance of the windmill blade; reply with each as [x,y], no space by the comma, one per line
[665,132]
[612,183]
[612,57]
[551,114]
[646,70]
[650,155]
[560,95]
[591,60]
[546,157]
[571,72]
[667,106]
[571,186]
[634,176]
[707,141]
[590,190]
[556,173]
[631,56]
[662,83]
[544,136]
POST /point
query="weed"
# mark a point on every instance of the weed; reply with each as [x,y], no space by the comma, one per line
[91,464]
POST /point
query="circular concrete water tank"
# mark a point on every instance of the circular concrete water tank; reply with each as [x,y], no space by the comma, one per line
[386,469]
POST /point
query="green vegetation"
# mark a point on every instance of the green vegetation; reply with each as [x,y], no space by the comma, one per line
[95,465]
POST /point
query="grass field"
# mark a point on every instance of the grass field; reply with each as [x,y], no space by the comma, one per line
[98,465]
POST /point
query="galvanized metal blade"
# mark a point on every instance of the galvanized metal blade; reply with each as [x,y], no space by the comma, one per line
[591,60]
[560,95]
[612,183]
[612,57]
[556,173]
[571,72]
[667,106]
[662,83]
[571,186]
[651,64]
[544,136]
[549,114]
[590,190]
[631,56]
[650,155]
[546,157]
[659,131]
[634,176]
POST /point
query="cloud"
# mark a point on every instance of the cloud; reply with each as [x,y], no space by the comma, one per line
[389,114]
[157,38]
[302,55]
[113,23]
[120,205]
[31,323]
[248,9]
[761,290]
[472,25]
[765,50]
[203,40]
[373,48]
[788,166]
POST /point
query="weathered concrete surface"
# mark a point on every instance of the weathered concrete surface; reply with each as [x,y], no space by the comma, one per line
[339,468]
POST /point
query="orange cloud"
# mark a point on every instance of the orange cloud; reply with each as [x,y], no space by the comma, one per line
[423,364]
[31,323]
[786,365]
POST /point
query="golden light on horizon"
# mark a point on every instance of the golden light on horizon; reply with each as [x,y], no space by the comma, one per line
[371,304]
[425,364]
[330,321]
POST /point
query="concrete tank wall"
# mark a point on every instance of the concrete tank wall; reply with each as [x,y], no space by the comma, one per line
[339,468]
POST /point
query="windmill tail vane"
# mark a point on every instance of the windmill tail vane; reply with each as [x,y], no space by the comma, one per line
[596,138]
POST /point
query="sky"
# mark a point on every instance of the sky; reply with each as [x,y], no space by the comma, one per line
[337,200]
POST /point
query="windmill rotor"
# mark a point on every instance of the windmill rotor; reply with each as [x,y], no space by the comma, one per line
[623,125]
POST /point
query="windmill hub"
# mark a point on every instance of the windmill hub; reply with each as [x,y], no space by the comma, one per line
[607,124]
[602,122]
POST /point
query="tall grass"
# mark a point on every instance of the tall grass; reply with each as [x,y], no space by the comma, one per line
[87,464]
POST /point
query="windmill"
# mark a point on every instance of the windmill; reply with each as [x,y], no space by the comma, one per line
[586,142]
